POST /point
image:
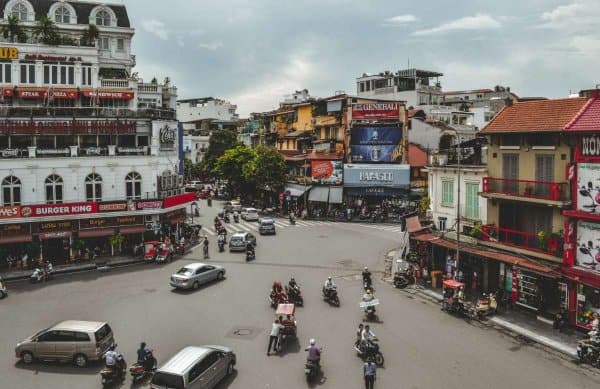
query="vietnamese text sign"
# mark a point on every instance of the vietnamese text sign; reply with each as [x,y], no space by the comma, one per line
[375,136]
[327,172]
[375,111]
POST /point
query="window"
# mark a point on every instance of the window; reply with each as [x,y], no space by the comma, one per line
[544,173]
[93,187]
[11,191]
[5,72]
[442,223]
[27,73]
[54,189]
[103,18]
[50,336]
[81,337]
[510,172]
[59,74]
[20,11]
[133,186]
[120,45]
[103,43]
[448,193]
[86,75]
[472,201]
[62,15]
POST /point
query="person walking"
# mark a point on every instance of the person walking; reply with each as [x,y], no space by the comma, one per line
[275,329]
[369,372]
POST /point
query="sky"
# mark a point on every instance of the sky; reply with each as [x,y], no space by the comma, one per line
[253,52]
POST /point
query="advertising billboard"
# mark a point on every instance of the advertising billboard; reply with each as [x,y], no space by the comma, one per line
[588,188]
[376,111]
[364,175]
[59,209]
[327,172]
[375,136]
[392,153]
[588,249]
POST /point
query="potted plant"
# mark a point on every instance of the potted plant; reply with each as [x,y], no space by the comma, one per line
[477,231]
[78,245]
[542,239]
[553,242]
[115,241]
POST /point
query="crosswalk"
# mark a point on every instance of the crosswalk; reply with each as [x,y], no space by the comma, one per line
[252,227]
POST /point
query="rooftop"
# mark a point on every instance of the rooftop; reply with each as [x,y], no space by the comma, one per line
[535,116]
[588,118]
[464,92]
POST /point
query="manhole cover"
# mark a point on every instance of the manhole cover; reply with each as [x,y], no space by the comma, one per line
[242,332]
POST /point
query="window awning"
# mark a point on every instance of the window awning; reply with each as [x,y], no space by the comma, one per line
[109,94]
[42,93]
[336,195]
[319,194]
[296,190]
[96,232]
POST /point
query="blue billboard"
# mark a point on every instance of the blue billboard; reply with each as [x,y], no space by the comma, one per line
[375,136]
[376,153]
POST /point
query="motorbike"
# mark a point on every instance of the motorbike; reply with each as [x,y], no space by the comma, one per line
[236,217]
[140,370]
[404,276]
[39,275]
[221,244]
[369,309]
[295,296]
[485,305]
[588,350]
[311,370]
[181,248]
[453,301]
[250,255]
[367,283]
[292,219]
[226,218]
[331,296]
[370,349]
[275,300]
[110,375]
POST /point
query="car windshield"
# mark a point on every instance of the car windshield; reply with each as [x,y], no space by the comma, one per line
[267,222]
[252,211]
[237,239]
[102,332]
[184,271]
[170,381]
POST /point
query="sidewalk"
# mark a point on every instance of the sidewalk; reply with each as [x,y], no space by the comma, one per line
[528,327]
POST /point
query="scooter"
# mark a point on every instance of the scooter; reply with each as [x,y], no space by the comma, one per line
[588,350]
[226,218]
[292,219]
[181,248]
[311,370]
[38,275]
[295,296]
[221,244]
[110,375]
[250,255]
[331,296]
[486,305]
[139,370]
[236,217]
[370,350]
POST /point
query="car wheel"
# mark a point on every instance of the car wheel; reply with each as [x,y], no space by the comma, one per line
[220,276]
[27,357]
[2,295]
[196,285]
[80,360]
[230,368]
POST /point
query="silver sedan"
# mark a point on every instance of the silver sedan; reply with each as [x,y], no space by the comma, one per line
[195,274]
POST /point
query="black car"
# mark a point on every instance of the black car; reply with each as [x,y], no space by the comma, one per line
[267,226]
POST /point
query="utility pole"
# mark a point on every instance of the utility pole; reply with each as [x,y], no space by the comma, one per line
[458,149]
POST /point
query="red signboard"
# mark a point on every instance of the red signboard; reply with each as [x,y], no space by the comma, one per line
[92,127]
[109,95]
[179,199]
[42,94]
[59,209]
[376,111]
[9,92]
[10,212]
[149,204]
[116,206]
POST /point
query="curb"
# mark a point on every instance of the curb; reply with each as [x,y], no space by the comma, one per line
[543,340]
[78,269]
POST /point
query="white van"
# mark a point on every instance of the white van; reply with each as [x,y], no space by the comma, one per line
[195,368]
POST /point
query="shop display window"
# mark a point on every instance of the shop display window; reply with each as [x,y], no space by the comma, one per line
[528,291]
[588,304]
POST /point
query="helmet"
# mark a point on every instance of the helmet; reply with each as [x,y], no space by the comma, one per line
[312,342]
[366,268]
[292,279]
[143,345]
[329,278]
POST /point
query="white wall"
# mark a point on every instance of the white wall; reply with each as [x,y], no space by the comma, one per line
[214,109]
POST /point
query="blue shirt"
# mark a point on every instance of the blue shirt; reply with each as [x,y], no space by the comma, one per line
[370,368]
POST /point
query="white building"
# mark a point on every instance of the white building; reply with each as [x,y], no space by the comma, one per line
[206,108]
[195,146]
[88,150]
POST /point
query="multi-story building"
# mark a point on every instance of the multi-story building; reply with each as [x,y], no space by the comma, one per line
[88,150]
[483,104]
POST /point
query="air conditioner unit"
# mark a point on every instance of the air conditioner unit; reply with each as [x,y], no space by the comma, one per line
[149,226]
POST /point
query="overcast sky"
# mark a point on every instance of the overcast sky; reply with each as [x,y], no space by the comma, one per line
[253,52]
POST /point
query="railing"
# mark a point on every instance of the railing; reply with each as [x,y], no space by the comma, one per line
[86,112]
[72,152]
[544,190]
[534,242]
[114,83]
[147,88]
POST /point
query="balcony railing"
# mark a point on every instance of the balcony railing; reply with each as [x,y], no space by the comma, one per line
[541,243]
[74,151]
[87,112]
[543,190]
[114,83]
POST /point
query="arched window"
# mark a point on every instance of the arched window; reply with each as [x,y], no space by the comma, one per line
[93,187]
[20,11]
[62,15]
[133,186]
[11,191]
[103,18]
[54,189]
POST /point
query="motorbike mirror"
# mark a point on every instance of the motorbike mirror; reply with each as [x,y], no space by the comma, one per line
[584,250]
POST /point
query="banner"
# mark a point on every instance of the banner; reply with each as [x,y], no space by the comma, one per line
[364,175]
[10,212]
[588,189]
[327,172]
[375,111]
[59,209]
[376,153]
[588,249]
[375,136]
[116,206]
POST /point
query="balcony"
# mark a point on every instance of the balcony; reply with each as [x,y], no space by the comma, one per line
[540,243]
[74,151]
[115,83]
[540,192]
[87,112]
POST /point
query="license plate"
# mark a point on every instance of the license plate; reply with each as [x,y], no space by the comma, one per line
[306,371]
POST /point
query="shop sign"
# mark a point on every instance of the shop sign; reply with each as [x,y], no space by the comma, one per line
[588,249]
[42,94]
[128,220]
[375,111]
[55,226]
[167,136]
[590,146]
[588,191]
[179,199]
[116,206]
[9,153]
[327,172]
[55,235]
[59,209]
[96,223]
[51,58]
[9,53]
[149,204]
[375,136]
[173,215]
[92,127]
[109,95]
[376,153]
[362,175]
[10,212]
[13,229]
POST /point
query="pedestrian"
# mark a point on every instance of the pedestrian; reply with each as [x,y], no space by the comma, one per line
[359,335]
[9,261]
[274,336]
[24,260]
[370,371]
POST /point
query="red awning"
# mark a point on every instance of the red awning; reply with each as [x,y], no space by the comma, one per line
[132,230]
[8,92]
[33,93]
[96,232]
[586,277]
[16,239]
[107,94]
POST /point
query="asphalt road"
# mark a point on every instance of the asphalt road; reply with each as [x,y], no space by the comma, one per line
[423,347]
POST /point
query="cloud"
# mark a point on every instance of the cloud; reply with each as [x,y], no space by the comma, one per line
[561,12]
[180,41]
[212,46]
[400,20]
[477,22]
[578,16]
[157,28]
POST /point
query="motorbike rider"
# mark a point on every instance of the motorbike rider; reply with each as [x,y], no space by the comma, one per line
[293,286]
[114,360]
[314,353]
[368,296]
[359,332]
[329,286]
[367,336]
[221,239]
[249,248]
[366,276]
[144,357]
[292,217]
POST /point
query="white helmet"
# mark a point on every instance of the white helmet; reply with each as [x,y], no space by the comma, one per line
[366,268]
[312,342]
[329,278]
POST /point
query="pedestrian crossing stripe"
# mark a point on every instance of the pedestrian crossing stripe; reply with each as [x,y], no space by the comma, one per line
[254,227]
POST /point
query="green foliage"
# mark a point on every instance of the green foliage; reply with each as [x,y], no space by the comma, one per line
[13,30]
[476,231]
[268,168]
[45,30]
[67,40]
[78,244]
[219,142]
[90,35]
[116,240]
[424,205]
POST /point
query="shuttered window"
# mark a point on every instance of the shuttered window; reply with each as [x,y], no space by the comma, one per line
[448,193]
[472,201]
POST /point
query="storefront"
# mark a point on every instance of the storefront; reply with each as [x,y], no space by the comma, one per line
[171,223]
[369,185]
[54,240]
[326,195]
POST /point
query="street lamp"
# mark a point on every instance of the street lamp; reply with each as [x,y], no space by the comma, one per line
[192,205]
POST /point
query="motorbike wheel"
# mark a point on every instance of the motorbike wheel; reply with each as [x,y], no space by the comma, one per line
[336,301]
[379,359]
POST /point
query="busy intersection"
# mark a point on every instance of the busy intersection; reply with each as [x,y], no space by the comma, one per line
[423,346]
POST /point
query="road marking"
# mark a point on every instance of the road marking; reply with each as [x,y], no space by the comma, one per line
[246,227]
[209,231]
[281,225]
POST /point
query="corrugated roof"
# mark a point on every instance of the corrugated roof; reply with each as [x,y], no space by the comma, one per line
[588,118]
[535,116]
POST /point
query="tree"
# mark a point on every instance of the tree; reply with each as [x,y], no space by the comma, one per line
[191,170]
[90,35]
[46,31]
[267,169]
[233,167]
[219,142]
[13,30]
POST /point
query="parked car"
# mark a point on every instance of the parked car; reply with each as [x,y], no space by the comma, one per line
[195,274]
[249,214]
[195,368]
[233,206]
[266,226]
[239,240]
[3,290]
[71,340]
[195,185]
